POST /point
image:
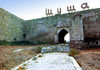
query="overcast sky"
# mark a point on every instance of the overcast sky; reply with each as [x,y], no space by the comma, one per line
[32,9]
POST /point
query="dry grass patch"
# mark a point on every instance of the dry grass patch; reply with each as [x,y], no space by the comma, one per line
[89,59]
[74,52]
[10,59]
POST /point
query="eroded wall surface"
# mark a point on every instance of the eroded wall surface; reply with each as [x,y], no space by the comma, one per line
[11,28]
[45,30]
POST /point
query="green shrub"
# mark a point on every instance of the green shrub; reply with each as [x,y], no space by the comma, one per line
[15,43]
[5,43]
[74,52]
[37,49]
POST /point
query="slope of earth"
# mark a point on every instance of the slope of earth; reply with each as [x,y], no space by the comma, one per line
[89,59]
[11,56]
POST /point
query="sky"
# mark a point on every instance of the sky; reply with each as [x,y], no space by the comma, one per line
[32,9]
[67,37]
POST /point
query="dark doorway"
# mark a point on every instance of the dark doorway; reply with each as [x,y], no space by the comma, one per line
[61,36]
[24,36]
[14,39]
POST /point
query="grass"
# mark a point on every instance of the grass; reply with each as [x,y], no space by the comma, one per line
[74,52]
[37,49]
[89,59]
[10,59]
[21,68]
[15,43]
[20,43]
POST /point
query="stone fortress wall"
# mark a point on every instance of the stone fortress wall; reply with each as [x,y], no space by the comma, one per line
[11,27]
[81,25]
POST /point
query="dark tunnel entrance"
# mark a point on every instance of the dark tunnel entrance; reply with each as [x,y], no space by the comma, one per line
[61,36]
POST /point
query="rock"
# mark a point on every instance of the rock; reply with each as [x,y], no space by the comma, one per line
[35,58]
[55,49]
[40,55]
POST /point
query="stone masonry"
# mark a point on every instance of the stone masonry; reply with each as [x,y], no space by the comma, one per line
[46,29]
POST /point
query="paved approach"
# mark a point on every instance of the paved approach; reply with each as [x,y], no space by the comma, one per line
[52,61]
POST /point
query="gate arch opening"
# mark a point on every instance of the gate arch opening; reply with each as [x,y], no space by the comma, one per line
[64,36]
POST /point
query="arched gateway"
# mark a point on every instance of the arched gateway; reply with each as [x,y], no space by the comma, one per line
[61,36]
[62,29]
[74,27]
